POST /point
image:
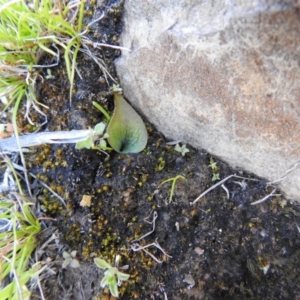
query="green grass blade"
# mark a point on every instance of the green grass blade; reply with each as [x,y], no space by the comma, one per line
[105,113]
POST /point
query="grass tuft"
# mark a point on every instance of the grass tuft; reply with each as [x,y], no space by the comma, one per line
[18,240]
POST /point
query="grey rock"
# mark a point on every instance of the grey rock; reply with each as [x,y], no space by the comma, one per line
[220,75]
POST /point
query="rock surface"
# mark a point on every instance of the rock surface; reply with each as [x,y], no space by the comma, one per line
[220,75]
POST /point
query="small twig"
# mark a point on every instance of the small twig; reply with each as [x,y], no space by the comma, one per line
[285,174]
[272,194]
[226,190]
[33,102]
[73,4]
[35,139]
[15,275]
[53,237]
[220,183]
[38,280]
[90,24]
[87,41]
[8,223]
[148,233]
[51,65]
[242,184]
[20,168]
[137,247]
[153,256]
[98,61]
[81,290]
[173,143]
[48,188]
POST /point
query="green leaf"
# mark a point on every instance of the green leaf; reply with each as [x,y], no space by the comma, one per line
[99,128]
[113,287]
[127,131]
[103,144]
[104,282]
[213,165]
[98,106]
[74,263]
[84,144]
[122,276]
[182,149]
[215,177]
[66,262]
[101,263]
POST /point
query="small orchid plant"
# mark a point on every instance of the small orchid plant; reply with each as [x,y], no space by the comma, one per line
[112,276]
[125,132]
[70,259]
[182,149]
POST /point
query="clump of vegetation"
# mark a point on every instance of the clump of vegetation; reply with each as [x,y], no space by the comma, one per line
[112,276]
[18,240]
[27,32]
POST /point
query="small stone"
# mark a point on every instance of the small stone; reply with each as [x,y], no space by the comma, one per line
[86,200]
[188,278]
[199,251]
[244,110]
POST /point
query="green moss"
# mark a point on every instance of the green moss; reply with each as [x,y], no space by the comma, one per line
[160,164]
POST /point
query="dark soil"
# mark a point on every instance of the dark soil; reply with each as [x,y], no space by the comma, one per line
[220,248]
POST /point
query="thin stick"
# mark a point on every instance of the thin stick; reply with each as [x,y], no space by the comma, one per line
[20,168]
[137,247]
[272,194]
[46,137]
[173,143]
[220,183]
[286,173]
[38,279]
[153,228]
[87,41]
[226,190]
[12,169]
[48,188]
